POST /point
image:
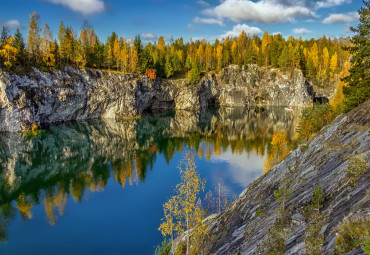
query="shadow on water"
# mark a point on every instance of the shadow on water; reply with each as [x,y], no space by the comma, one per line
[70,159]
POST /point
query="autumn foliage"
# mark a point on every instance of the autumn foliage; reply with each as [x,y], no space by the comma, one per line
[150,73]
[278,151]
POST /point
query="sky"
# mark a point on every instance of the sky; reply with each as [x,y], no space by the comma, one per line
[189,19]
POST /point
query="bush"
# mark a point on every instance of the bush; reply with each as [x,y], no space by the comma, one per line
[315,118]
[352,234]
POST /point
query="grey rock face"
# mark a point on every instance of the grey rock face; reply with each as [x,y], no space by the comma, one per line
[245,227]
[75,94]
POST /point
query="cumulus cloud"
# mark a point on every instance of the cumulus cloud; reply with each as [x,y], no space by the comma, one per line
[208,21]
[86,7]
[264,11]
[237,29]
[301,31]
[330,3]
[148,36]
[341,18]
[13,23]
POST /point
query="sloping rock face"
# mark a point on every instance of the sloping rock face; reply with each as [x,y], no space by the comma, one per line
[74,94]
[258,220]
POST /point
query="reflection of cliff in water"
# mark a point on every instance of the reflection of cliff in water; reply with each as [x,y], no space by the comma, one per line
[72,158]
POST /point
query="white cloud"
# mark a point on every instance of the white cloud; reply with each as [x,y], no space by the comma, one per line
[208,21]
[341,18]
[237,29]
[330,3]
[148,36]
[85,7]
[13,23]
[265,11]
[203,3]
[301,31]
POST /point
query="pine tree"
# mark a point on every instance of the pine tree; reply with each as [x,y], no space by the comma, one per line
[139,52]
[4,36]
[168,67]
[358,89]
[18,43]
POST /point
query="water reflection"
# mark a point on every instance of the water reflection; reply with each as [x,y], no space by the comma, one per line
[73,159]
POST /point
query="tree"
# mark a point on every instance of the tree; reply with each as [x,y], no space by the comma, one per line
[278,151]
[180,211]
[139,52]
[4,36]
[150,73]
[69,45]
[34,36]
[358,89]
[47,47]
[9,52]
[333,62]
[116,52]
[18,43]
[133,59]
[61,39]
[194,73]
[168,68]
[161,44]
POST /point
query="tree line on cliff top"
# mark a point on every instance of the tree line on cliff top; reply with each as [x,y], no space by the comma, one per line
[320,59]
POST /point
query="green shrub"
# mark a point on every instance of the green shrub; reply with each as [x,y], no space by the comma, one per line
[315,118]
[353,233]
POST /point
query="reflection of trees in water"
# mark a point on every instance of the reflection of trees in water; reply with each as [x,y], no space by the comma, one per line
[72,159]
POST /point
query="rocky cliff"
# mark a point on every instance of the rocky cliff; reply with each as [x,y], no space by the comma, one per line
[299,205]
[71,94]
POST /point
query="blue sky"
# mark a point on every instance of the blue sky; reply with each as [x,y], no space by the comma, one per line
[209,19]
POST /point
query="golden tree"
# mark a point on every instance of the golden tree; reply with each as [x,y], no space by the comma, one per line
[9,52]
[133,59]
[279,151]
[180,211]
[47,47]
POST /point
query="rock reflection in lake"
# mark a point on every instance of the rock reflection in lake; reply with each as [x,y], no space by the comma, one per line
[72,160]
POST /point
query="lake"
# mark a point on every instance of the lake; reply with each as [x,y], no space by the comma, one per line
[97,187]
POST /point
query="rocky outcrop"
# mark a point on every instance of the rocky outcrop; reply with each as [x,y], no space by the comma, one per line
[75,94]
[263,220]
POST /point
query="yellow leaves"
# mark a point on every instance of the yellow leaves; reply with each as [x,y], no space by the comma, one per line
[266,40]
[47,47]
[50,203]
[180,211]
[134,59]
[325,57]
[9,52]
[337,100]
[24,206]
[279,151]
[314,55]
[333,62]
[161,44]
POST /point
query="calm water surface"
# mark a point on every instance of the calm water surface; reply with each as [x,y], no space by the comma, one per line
[98,187]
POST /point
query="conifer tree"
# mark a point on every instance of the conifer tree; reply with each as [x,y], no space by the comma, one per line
[4,36]
[358,89]
[20,46]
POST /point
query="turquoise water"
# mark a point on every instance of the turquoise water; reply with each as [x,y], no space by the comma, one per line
[97,187]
